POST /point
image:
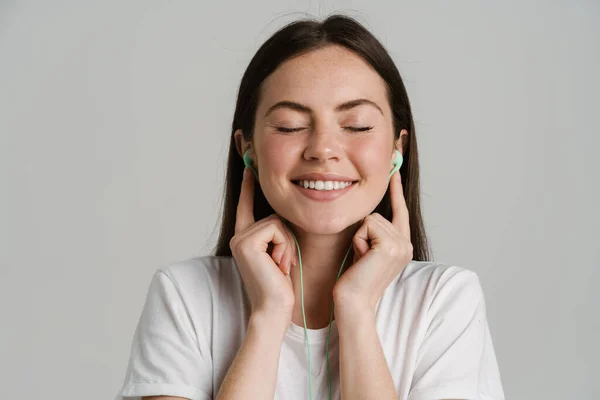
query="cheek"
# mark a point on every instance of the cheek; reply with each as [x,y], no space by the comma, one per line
[373,161]
[275,162]
[275,158]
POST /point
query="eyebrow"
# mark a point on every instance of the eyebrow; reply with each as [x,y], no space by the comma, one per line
[305,109]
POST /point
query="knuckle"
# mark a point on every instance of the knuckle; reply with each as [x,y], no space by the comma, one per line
[242,247]
[274,220]
[400,250]
[233,242]
[238,245]
[277,222]
[281,226]
[394,251]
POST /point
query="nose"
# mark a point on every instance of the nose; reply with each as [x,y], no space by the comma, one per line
[323,145]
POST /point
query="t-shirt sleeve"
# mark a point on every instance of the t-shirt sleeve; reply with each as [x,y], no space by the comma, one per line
[456,358]
[166,358]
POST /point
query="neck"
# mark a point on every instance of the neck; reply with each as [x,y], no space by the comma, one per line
[322,257]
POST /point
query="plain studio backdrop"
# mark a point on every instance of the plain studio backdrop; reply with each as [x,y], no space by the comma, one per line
[114,125]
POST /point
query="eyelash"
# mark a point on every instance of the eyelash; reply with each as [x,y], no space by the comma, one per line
[352,128]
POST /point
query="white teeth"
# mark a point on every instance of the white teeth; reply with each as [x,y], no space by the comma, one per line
[324,185]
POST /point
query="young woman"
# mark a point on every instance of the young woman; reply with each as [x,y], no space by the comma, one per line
[321,284]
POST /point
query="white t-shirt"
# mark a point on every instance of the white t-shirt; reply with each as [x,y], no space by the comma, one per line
[431,322]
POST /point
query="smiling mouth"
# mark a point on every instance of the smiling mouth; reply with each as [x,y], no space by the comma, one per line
[324,185]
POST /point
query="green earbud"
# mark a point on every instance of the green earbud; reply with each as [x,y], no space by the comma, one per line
[397,163]
[248,163]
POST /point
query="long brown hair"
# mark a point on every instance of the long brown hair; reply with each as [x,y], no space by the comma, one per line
[295,39]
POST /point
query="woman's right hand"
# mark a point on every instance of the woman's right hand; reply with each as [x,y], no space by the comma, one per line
[265,275]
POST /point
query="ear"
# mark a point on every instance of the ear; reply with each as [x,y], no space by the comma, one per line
[401,143]
[241,144]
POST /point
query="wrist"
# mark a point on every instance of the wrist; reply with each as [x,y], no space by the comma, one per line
[269,324]
[353,311]
[351,301]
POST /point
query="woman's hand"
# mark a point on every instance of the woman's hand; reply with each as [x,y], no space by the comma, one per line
[266,276]
[376,264]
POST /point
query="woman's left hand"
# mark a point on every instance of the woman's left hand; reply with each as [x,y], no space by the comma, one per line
[376,264]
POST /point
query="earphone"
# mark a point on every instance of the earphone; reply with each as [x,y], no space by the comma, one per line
[248,163]
[397,163]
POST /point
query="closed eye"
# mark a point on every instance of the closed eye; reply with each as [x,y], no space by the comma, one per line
[352,128]
[359,128]
[284,129]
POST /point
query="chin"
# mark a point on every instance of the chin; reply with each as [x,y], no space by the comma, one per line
[331,227]
[323,224]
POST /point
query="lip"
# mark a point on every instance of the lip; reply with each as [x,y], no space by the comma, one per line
[323,195]
[323,177]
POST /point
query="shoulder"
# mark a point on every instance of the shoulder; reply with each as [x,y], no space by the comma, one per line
[205,270]
[195,290]
[430,295]
[439,285]
[203,277]
[435,275]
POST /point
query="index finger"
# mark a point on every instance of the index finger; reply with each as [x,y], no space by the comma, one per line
[399,209]
[245,209]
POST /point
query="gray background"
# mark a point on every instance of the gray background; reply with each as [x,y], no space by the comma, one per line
[114,122]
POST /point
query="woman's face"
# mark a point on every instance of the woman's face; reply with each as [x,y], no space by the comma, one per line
[334,128]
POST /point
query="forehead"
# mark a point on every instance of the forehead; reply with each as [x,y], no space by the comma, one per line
[324,77]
